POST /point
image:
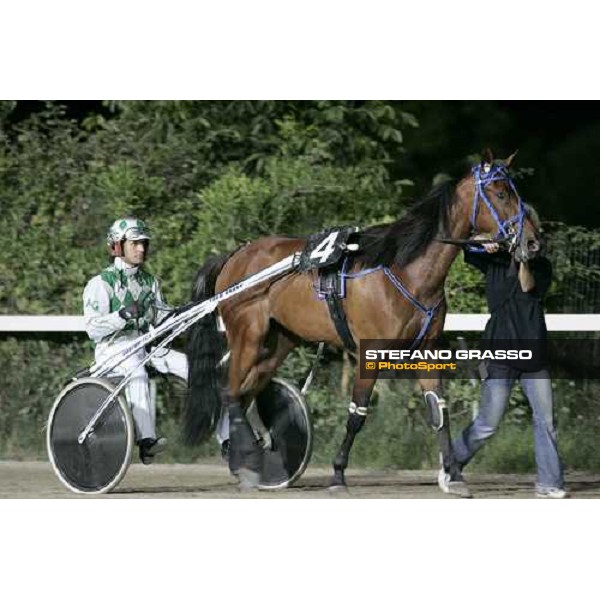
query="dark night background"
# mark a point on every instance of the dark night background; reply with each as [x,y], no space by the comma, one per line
[559,140]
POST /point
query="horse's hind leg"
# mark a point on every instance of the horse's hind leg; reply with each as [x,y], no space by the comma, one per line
[252,366]
[450,478]
[361,395]
[246,350]
[279,346]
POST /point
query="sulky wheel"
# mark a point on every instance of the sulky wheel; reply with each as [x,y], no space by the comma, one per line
[99,463]
[284,412]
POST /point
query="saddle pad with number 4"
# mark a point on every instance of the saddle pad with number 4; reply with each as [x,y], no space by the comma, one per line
[325,248]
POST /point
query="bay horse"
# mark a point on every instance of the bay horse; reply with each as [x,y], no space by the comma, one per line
[395,291]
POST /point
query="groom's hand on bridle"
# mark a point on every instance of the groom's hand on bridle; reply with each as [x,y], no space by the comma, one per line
[490,248]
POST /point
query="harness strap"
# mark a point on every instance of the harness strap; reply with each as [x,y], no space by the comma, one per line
[400,287]
[362,273]
[338,315]
[333,295]
[429,312]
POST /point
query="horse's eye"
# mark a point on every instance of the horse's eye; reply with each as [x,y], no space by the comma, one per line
[502,195]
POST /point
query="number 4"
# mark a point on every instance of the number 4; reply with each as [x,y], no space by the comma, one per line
[325,248]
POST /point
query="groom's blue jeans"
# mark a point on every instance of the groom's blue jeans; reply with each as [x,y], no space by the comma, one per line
[495,391]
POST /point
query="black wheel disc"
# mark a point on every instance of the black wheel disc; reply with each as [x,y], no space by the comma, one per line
[100,462]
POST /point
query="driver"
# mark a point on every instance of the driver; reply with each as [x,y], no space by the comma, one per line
[119,305]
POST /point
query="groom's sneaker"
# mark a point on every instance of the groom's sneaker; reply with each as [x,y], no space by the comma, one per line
[456,488]
[551,493]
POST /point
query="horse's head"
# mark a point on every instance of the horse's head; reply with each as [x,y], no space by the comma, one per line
[497,208]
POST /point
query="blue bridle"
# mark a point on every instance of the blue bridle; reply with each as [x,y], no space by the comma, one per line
[483,176]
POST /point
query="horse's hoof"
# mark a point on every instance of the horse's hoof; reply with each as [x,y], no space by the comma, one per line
[454,488]
[248,480]
[338,483]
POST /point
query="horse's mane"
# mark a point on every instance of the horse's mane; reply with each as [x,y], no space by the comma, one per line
[404,240]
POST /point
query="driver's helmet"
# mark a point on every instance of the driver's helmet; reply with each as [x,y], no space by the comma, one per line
[127,228]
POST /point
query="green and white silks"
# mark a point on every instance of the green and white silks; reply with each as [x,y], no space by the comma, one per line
[114,288]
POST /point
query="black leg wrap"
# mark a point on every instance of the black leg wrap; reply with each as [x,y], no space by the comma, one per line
[243,451]
[355,423]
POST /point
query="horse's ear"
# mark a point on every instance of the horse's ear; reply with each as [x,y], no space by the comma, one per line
[487,159]
[510,159]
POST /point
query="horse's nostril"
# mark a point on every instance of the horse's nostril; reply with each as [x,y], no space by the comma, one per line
[533,246]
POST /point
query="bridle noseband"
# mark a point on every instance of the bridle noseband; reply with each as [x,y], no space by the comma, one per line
[511,228]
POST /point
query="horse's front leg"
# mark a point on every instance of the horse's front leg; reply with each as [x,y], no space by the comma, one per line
[450,478]
[361,395]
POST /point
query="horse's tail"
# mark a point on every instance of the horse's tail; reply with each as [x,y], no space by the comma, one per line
[205,348]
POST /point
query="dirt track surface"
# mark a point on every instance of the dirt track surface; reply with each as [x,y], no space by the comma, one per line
[212,480]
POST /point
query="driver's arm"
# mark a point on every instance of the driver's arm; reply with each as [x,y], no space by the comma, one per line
[99,321]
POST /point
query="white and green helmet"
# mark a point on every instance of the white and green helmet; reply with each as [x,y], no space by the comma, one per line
[127,228]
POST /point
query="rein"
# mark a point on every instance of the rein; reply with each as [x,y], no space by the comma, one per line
[504,242]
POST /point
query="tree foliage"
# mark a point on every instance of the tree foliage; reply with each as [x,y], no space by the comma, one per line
[206,175]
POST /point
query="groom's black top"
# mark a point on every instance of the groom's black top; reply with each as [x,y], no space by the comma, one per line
[516,315]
